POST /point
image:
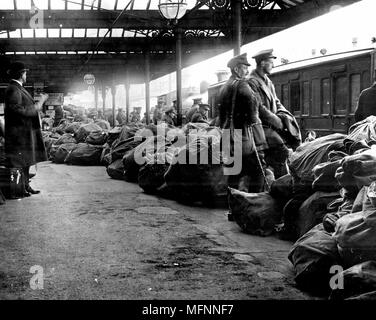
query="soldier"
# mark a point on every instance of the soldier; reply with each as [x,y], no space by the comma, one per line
[238,109]
[201,115]
[169,116]
[121,117]
[100,115]
[277,152]
[157,114]
[193,109]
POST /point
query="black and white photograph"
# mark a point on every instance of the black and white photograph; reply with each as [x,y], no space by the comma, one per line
[192,156]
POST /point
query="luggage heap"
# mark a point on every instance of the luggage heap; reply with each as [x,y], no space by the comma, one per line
[159,158]
[77,143]
[327,204]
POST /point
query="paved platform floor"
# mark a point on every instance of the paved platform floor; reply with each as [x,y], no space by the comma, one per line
[99,238]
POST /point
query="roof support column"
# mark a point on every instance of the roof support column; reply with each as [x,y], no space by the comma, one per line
[147,85]
[113,93]
[236,7]
[96,97]
[178,35]
[104,100]
[127,94]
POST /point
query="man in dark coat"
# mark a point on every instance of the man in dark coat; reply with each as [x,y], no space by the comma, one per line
[24,144]
[121,117]
[277,152]
[201,115]
[59,115]
[169,116]
[366,104]
[157,114]
[193,109]
[239,106]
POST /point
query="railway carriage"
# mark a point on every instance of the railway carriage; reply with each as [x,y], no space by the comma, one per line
[321,92]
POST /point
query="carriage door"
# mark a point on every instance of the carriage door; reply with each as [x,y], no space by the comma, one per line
[340,100]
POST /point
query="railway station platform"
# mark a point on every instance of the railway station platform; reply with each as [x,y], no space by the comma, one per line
[98,238]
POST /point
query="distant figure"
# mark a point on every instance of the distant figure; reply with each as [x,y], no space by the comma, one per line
[192,110]
[121,117]
[145,117]
[169,116]
[80,117]
[157,114]
[59,114]
[201,114]
[135,116]
[366,104]
[311,135]
[100,115]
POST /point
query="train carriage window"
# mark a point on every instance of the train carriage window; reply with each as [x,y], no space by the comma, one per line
[341,88]
[305,110]
[315,97]
[355,91]
[285,96]
[325,102]
[295,97]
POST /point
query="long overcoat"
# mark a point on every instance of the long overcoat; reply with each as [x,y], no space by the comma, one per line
[268,111]
[246,110]
[24,144]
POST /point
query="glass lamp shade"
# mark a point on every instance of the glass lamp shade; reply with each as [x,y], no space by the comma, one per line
[172,9]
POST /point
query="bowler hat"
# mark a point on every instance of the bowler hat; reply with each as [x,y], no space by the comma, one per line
[264,54]
[16,67]
[239,59]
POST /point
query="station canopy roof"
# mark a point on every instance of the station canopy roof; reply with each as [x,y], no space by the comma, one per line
[61,40]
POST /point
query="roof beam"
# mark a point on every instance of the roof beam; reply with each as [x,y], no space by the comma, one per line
[137,19]
[109,44]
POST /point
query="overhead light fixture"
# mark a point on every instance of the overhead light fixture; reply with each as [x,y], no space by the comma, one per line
[172,9]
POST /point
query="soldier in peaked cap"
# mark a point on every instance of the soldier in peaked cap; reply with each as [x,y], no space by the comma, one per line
[24,144]
[277,152]
[201,115]
[238,109]
[169,116]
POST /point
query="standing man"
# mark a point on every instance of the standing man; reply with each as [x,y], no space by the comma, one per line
[201,115]
[157,114]
[59,115]
[100,115]
[277,152]
[169,116]
[121,117]
[24,144]
[193,109]
[366,104]
[238,109]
